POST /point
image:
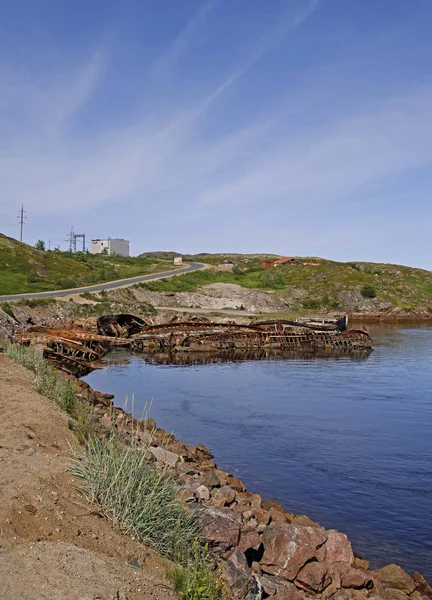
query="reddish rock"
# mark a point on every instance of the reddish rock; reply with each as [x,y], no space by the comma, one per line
[277,516]
[179,448]
[237,575]
[355,578]
[337,549]
[288,547]
[422,585]
[279,589]
[262,516]
[223,496]
[220,529]
[346,594]
[390,594]
[392,576]
[313,577]
[251,539]
[187,492]
[222,476]
[210,479]
[268,504]
[361,563]
[253,500]
[236,484]
[304,520]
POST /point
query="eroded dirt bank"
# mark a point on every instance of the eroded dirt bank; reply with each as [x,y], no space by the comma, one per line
[52,546]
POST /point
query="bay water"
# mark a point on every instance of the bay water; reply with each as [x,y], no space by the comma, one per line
[346,440]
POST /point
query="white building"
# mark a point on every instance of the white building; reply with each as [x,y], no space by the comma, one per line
[110,246]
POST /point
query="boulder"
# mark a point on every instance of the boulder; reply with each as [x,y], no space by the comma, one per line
[313,578]
[170,459]
[222,476]
[356,578]
[392,594]
[361,563]
[262,516]
[202,493]
[287,548]
[187,492]
[210,479]
[422,585]
[393,576]
[304,520]
[337,549]
[223,496]
[237,575]
[279,589]
[268,504]
[347,594]
[278,516]
[235,483]
[219,528]
[253,500]
[179,448]
[251,539]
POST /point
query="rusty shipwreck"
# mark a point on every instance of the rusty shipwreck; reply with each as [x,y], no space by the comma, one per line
[78,348]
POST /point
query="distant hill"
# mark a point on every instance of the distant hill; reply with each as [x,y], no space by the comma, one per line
[321,285]
[25,269]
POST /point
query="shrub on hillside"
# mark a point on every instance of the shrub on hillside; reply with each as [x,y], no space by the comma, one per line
[273,279]
[368,291]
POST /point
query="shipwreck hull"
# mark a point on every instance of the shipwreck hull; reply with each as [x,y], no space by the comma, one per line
[77,351]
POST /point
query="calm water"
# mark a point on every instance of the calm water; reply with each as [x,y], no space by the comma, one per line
[348,442]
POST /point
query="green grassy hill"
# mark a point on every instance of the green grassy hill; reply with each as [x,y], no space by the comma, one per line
[25,269]
[330,285]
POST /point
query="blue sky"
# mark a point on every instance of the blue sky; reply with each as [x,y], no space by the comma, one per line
[300,127]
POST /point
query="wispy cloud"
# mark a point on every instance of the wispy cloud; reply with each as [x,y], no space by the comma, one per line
[293,154]
[181,43]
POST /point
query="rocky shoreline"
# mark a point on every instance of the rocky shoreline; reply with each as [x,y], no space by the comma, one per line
[266,551]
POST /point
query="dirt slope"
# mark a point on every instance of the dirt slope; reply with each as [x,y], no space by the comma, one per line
[52,546]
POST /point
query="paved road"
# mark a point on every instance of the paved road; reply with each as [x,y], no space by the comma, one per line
[112,285]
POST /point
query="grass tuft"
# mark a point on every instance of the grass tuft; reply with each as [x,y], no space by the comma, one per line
[138,498]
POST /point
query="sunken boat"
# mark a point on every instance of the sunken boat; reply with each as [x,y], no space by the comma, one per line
[77,349]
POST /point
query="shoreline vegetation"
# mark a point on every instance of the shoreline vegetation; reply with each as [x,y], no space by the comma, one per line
[225,541]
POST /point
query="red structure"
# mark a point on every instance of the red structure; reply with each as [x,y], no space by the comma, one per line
[280,261]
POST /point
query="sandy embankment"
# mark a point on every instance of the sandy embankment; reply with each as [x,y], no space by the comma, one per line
[52,546]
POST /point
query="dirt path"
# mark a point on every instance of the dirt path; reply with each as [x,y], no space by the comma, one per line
[52,546]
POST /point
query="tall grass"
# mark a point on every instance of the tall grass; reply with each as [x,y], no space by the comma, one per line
[51,384]
[135,496]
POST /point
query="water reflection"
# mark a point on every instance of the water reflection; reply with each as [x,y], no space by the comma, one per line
[121,357]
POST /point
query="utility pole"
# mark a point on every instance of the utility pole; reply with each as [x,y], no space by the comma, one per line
[21,218]
[72,239]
